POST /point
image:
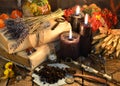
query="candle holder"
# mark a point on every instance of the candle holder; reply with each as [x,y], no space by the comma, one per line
[85,39]
[69,46]
[75,21]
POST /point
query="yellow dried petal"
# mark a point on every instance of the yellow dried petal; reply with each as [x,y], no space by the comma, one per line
[6,72]
[7,65]
[98,17]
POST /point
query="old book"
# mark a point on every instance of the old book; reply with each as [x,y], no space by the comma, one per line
[29,61]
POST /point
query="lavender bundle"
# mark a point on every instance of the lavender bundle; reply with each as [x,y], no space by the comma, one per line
[17,31]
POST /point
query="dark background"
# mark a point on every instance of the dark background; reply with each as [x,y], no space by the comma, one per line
[61,3]
[69,3]
[8,5]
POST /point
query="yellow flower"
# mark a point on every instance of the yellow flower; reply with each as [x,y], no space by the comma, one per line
[8,73]
[98,17]
[8,65]
[34,7]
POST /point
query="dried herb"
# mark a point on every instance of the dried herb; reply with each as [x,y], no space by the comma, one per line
[51,74]
[16,30]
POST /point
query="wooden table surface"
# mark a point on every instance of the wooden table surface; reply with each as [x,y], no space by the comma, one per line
[112,68]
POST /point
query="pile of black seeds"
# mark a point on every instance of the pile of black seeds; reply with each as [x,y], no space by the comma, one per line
[51,74]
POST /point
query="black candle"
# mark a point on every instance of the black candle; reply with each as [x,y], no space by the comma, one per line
[85,38]
[76,20]
[69,45]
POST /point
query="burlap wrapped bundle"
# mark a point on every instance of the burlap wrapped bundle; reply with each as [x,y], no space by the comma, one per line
[46,35]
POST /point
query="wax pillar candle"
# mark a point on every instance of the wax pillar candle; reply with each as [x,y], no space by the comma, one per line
[85,38]
[76,20]
[69,45]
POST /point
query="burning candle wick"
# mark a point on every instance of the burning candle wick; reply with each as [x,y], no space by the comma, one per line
[77,10]
[86,19]
[70,34]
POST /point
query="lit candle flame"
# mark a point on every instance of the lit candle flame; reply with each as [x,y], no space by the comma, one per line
[86,19]
[70,34]
[77,10]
